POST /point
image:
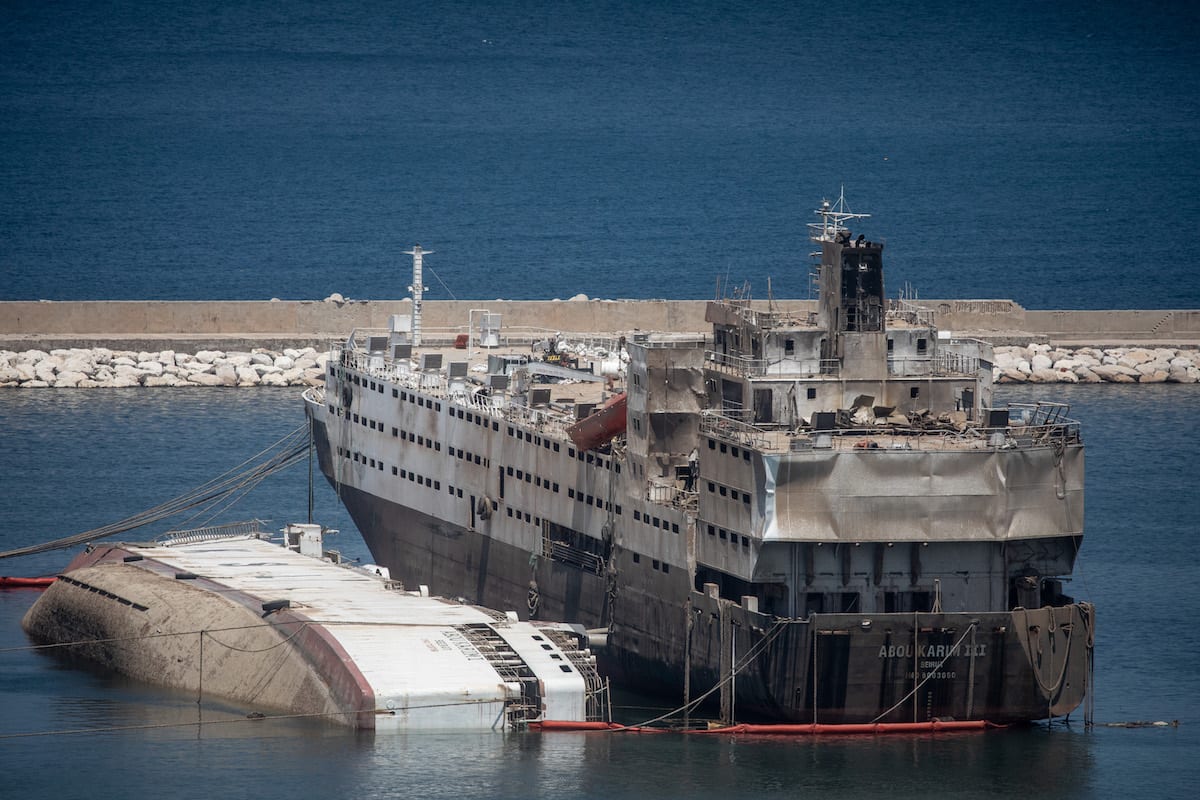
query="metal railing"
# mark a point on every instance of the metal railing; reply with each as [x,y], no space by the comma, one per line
[1035,425]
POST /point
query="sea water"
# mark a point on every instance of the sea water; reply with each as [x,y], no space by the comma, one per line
[1044,152]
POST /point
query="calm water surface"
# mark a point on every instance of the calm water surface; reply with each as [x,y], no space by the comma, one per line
[74,460]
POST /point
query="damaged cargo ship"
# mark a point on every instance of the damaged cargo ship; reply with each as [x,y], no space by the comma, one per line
[821,516]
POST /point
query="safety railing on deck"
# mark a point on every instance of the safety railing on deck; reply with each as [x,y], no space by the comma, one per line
[1030,425]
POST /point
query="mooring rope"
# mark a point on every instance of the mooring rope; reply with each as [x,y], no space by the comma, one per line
[284,453]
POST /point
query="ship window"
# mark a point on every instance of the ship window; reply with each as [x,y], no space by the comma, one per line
[356,417]
[395,471]
[403,473]
[637,559]
[723,534]
[556,447]
[437,407]
[460,413]
[733,452]
[618,509]
[655,563]
[666,568]
[891,345]
[395,392]
[537,481]
[712,445]
[509,510]
[733,493]
[437,447]
[570,493]
[922,346]
[545,443]
[404,395]
[528,436]
[495,426]
[637,516]
[372,462]
[555,488]
[712,531]
[812,393]
[527,519]
[510,430]
[421,440]
[528,477]
[571,452]
[746,498]
[458,492]
[789,346]
[412,437]
[510,470]
[449,490]
[381,466]
[589,500]
[395,431]
[914,391]
[520,474]
[746,456]
[590,458]
[437,485]
[723,491]
[745,541]
[674,527]
[712,487]
[723,448]
[476,459]
[733,539]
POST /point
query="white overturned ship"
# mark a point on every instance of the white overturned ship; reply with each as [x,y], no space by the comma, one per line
[227,614]
[823,514]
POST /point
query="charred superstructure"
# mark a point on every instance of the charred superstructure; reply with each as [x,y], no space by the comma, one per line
[823,514]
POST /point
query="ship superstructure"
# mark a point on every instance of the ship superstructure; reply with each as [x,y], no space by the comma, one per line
[822,514]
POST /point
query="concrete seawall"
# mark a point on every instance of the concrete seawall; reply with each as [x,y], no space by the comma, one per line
[191,326]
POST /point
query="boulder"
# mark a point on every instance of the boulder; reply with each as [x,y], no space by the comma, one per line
[227,374]
[1039,362]
[69,379]
[205,379]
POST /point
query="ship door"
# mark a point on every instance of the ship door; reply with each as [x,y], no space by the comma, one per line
[762,405]
[472,512]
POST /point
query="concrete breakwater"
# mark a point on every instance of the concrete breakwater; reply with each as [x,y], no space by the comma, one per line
[100,367]
[1043,363]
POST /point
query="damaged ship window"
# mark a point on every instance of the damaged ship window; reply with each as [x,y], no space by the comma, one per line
[914,391]
[812,393]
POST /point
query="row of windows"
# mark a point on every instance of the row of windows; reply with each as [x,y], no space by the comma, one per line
[732,449]
[413,397]
[470,416]
[730,535]
[661,566]
[468,456]
[724,491]
[655,522]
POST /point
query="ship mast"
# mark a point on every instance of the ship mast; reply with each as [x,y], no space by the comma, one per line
[417,288]
[832,217]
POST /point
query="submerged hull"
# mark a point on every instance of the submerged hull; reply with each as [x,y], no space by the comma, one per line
[826,669]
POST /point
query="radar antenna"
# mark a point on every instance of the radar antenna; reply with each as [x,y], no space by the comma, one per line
[832,217]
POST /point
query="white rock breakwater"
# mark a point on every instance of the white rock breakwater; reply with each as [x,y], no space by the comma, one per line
[101,368]
[1042,363]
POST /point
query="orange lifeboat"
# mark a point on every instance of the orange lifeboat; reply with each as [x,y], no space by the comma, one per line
[601,426]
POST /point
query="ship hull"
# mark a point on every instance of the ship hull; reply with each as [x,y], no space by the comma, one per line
[828,668]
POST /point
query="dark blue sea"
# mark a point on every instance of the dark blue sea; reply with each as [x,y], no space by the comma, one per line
[1044,152]
[1041,151]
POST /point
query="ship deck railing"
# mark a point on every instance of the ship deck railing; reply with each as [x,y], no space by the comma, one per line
[545,419]
[507,337]
[1036,425]
[941,364]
